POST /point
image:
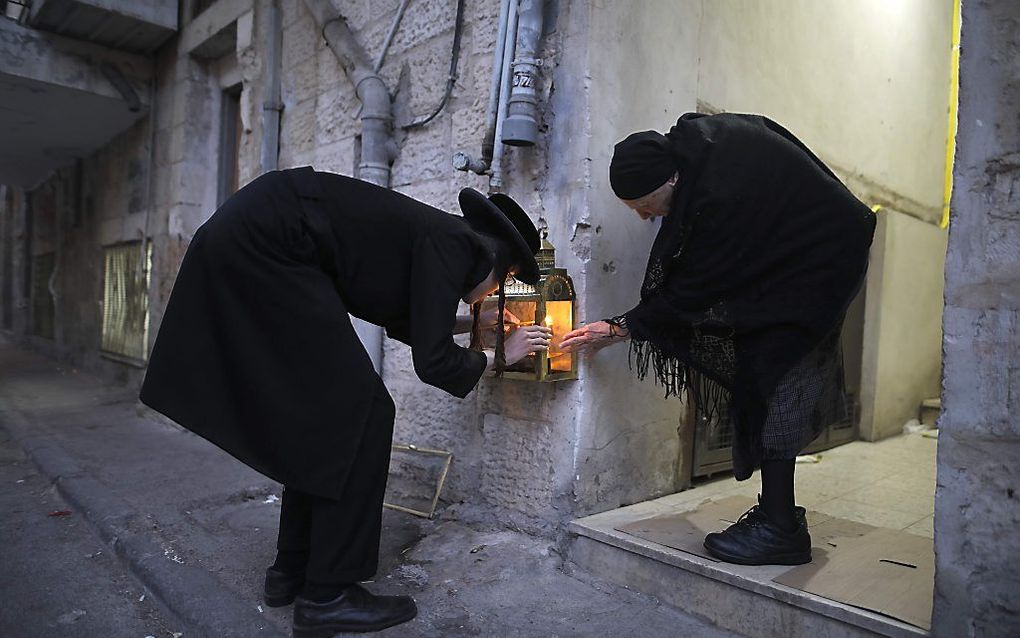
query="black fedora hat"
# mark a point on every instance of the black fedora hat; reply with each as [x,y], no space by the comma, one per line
[502,217]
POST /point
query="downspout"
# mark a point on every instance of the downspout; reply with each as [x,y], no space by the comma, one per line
[521,126]
[377,146]
[496,169]
[495,87]
[272,106]
[461,160]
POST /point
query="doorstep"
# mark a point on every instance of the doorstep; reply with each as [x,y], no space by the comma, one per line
[739,598]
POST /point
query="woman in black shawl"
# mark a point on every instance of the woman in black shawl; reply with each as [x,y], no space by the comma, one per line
[256,353]
[760,252]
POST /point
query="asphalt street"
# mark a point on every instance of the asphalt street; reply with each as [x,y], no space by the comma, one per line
[58,577]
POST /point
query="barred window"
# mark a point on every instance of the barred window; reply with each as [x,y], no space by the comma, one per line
[42,299]
[126,300]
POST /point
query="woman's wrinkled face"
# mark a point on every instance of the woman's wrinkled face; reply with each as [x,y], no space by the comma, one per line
[656,203]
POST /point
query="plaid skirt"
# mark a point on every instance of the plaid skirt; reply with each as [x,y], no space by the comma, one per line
[809,398]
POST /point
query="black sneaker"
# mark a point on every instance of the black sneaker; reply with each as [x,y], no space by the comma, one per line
[755,540]
[282,587]
[354,610]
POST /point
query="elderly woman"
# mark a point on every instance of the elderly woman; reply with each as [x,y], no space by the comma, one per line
[256,353]
[760,251]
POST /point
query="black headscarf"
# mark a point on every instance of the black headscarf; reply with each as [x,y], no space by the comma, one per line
[763,250]
[641,163]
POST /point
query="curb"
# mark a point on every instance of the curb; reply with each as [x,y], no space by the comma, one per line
[202,604]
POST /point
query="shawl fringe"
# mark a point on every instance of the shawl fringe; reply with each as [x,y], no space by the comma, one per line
[675,375]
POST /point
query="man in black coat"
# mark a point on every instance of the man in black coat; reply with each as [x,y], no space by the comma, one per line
[760,251]
[257,354]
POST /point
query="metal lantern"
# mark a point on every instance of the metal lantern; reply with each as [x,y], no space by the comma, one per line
[549,302]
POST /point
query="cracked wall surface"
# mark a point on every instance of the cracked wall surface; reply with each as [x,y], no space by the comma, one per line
[977,512]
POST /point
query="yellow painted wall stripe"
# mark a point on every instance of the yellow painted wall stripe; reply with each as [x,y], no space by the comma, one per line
[954,96]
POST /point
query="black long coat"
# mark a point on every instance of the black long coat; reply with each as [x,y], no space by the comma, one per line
[256,351]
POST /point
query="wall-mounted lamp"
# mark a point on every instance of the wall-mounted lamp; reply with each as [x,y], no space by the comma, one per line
[549,302]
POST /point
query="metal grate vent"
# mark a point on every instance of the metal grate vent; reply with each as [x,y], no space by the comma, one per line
[126,300]
[42,300]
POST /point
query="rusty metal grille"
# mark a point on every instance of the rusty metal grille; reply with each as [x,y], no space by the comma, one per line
[42,299]
[126,300]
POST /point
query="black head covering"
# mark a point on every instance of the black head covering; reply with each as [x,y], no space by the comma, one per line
[641,163]
[501,217]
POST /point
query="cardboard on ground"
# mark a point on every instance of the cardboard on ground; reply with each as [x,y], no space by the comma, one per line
[886,571]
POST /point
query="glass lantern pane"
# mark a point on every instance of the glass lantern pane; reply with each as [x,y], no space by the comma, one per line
[560,317]
[525,311]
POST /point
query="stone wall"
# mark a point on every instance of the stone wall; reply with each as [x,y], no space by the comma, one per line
[977,513]
[522,457]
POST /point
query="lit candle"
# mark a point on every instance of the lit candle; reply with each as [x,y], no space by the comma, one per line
[549,320]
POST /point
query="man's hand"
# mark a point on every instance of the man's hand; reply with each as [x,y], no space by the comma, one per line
[592,337]
[524,341]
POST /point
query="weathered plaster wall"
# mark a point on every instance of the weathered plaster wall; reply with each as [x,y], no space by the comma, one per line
[865,85]
[977,505]
[903,321]
[641,73]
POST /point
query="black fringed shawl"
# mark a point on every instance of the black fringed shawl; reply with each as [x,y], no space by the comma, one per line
[761,253]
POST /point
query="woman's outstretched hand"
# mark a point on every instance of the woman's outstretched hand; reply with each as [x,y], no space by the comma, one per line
[592,337]
[525,340]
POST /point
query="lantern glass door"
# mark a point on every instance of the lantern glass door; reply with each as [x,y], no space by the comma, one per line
[559,317]
[527,313]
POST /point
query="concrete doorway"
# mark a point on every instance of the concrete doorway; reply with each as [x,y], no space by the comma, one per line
[867,86]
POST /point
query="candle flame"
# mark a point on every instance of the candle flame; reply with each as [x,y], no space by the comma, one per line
[549,320]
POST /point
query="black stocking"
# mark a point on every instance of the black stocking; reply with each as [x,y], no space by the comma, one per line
[777,492]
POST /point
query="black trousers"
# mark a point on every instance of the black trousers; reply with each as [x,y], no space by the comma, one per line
[341,537]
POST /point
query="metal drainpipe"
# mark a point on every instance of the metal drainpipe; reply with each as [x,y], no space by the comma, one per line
[377,146]
[495,87]
[521,126]
[496,171]
[461,160]
[272,106]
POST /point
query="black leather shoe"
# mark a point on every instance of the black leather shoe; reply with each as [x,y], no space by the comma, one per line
[282,587]
[755,540]
[354,610]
